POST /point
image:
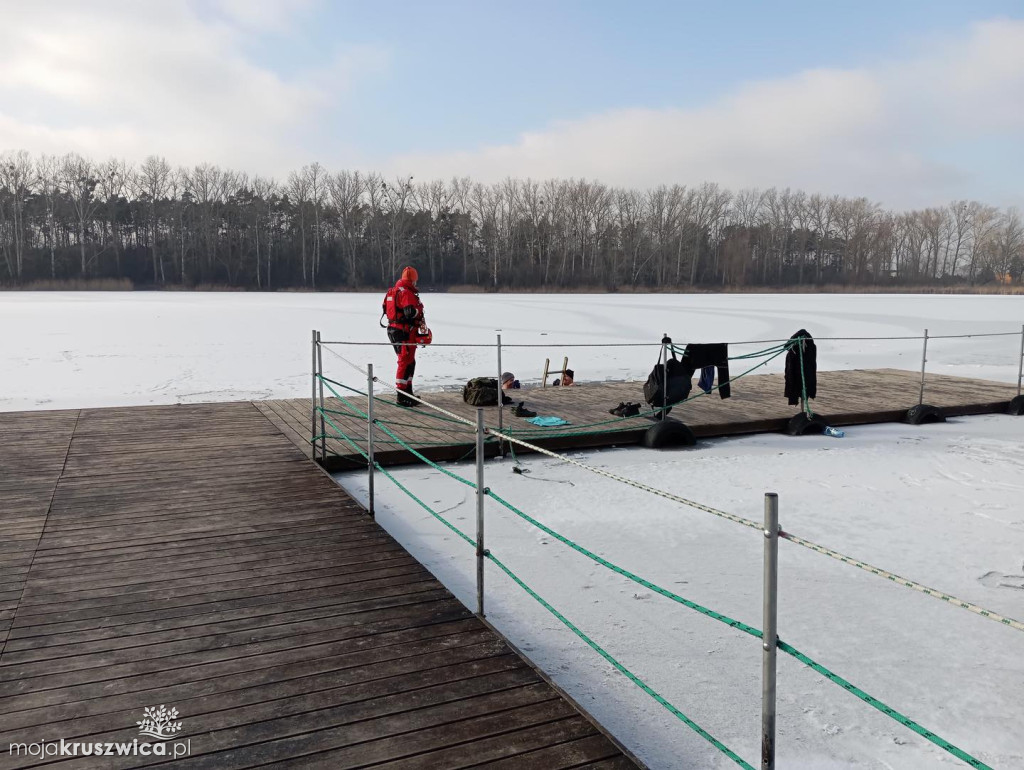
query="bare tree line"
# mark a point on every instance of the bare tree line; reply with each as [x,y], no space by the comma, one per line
[72,218]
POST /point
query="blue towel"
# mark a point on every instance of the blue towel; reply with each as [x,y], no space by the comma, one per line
[707,378]
[548,422]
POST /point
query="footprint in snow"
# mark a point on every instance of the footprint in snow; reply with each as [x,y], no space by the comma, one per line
[999,580]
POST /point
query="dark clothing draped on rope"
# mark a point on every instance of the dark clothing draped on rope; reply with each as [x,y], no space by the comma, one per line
[697,356]
[796,380]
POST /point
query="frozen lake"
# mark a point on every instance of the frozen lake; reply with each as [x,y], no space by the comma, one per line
[69,350]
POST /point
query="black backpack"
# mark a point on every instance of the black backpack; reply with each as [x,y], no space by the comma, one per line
[679,383]
[483,391]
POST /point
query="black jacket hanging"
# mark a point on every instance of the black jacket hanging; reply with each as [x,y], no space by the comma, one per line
[795,379]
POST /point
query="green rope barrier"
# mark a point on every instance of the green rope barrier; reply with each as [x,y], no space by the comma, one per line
[432,415]
[626,573]
[673,348]
[622,669]
[928,735]
[341,385]
[758,354]
[572,627]
[428,461]
[426,507]
[747,629]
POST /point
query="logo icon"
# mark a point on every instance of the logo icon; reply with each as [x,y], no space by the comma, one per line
[159,722]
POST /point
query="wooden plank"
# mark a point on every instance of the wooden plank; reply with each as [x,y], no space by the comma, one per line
[376,741]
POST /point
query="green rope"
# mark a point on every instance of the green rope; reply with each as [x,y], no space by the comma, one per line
[626,573]
[759,353]
[385,442]
[428,461]
[572,627]
[343,413]
[427,508]
[673,348]
[341,385]
[942,743]
[344,400]
[787,648]
[432,415]
[622,669]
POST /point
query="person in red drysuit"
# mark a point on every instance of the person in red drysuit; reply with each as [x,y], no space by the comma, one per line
[409,317]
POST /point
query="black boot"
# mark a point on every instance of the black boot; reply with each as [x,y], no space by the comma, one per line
[404,400]
[520,410]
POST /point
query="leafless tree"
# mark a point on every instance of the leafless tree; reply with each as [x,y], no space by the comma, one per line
[153,183]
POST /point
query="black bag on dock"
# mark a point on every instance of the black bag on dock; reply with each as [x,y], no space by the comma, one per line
[483,391]
[679,383]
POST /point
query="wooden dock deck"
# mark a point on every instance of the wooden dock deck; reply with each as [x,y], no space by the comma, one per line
[757,405]
[192,556]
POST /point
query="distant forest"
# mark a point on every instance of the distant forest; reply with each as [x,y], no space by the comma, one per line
[70,218]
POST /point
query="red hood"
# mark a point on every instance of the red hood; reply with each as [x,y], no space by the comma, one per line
[404,284]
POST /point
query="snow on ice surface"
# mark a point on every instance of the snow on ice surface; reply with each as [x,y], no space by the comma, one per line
[940,504]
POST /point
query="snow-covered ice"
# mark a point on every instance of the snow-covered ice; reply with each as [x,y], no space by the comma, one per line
[940,504]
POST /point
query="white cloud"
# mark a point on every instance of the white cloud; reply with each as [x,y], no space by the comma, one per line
[133,79]
[262,14]
[180,79]
[855,132]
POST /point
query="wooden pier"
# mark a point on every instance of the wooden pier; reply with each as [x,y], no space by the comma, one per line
[193,557]
[757,405]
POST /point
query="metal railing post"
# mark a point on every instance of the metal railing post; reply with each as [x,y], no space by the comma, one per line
[664,376]
[323,419]
[369,434]
[770,633]
[480,492]
[312,399]
[1020,361]
[924,359]
[501,400]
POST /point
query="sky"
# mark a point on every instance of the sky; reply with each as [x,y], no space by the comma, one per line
[910,104]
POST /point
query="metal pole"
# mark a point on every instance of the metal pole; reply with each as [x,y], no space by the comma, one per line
[1020,362]
[480,492]
[924,358]
[501,400]
[770,633]
[369,432]
[664,375]
[323,418]
[312,400]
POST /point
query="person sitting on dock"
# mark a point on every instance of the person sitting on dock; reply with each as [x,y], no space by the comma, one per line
[509,381]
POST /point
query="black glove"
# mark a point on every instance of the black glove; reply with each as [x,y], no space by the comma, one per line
[410,313]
